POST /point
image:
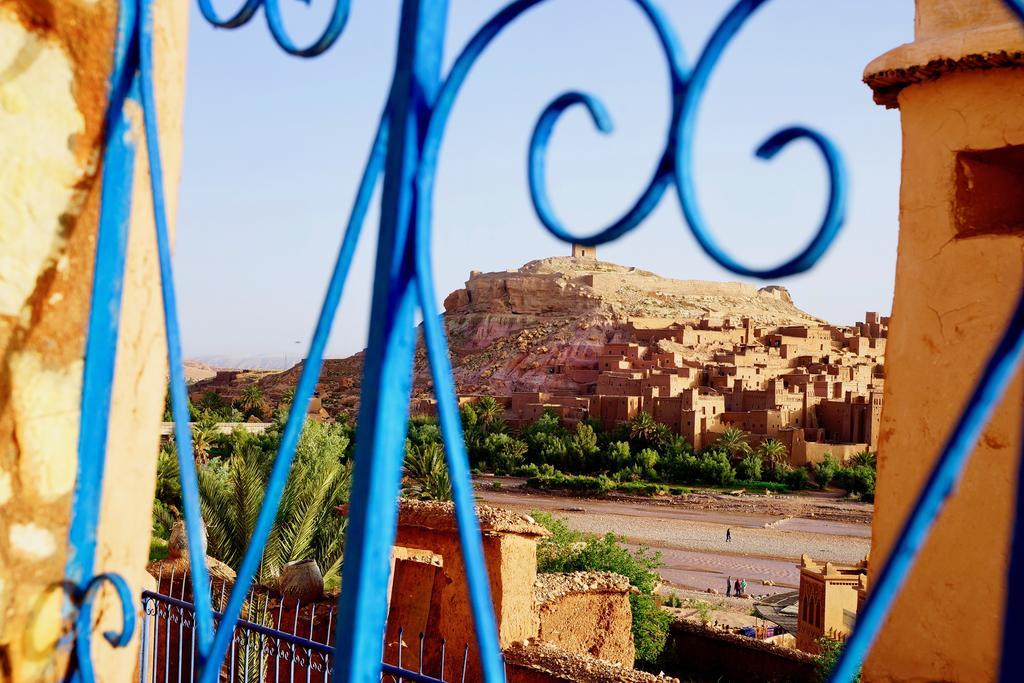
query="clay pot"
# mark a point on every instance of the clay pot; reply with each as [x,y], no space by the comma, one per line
[177,544]
[301,580]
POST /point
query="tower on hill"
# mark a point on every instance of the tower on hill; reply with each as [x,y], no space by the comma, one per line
[580,251]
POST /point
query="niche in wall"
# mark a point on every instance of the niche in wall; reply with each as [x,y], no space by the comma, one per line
[989,192]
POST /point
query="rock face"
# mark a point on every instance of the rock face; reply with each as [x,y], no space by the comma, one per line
[521,330]
[539,327]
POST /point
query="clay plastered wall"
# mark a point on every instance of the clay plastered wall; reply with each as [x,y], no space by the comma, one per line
[952,300]
[54,64]
[598,624]
[512,569]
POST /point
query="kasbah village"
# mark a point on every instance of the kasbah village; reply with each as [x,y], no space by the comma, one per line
[714,423]
[675,480]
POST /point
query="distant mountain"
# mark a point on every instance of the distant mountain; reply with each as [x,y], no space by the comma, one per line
[196,371]
[243,362]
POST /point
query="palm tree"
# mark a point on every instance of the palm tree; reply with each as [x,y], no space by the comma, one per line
[488,412]
[864,458]
[643,428]
[427,472]
[773,452]
[252,401]
[307,524]
[734,442]
[204,436]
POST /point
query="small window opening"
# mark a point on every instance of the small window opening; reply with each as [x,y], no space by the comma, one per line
[990,192]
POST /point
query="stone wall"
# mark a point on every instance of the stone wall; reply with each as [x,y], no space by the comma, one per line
[587,613]
[545,663]
[693,650]
[55,60]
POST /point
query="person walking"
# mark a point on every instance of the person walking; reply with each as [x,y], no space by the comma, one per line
[743,587]
[728,587]
[728,535]
[736,588]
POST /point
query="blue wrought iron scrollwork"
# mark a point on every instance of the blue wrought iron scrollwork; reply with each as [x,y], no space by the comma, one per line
[405,153]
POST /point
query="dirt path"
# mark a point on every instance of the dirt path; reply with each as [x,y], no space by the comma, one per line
[765,544]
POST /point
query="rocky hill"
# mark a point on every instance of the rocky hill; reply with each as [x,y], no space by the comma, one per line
[510,331]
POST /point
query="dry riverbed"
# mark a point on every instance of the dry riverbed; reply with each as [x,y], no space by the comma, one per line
[768,533]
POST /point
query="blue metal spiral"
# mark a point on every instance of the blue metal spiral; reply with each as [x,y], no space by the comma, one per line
[275,21]
[405,153]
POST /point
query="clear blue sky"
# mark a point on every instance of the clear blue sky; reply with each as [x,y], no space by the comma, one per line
[274,147]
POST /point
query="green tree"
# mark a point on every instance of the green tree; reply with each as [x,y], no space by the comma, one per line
[582,450]
[307,524]
[749,468]
[825,661]
[504,453]
[617,456]
[168,476]
[490,414]
[716,470]
[864,458]
[646,461]
[251,401]
[643,429]
[826,470]
[734,442]
[204,437]
[772,452]
[797,479]
[426,472]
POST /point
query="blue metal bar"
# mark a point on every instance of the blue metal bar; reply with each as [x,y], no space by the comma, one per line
[101,342]
[836,206]
[303,393]
[1012,665]
[277,635]
[947,471]
[387,370]
[179,394]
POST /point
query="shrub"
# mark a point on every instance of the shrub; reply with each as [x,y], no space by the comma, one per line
[504,452]
[703,609]
[640,488]
[716,470]
[773,486]
[582,450]
[858,480]
[673,600]
[749,468]
[529,470]
[798,479]
[826,470]
[578,483]
[645,462]
[825,661]
[678,490]
[680,467]
[617,455]
[777,472]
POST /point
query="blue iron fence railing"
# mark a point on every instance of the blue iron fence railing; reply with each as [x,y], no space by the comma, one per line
[405,153]
[265,648]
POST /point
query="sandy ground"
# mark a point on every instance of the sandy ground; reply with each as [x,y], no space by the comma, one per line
[766,541]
